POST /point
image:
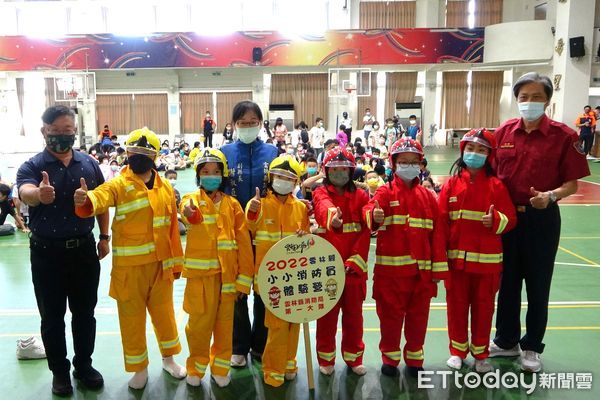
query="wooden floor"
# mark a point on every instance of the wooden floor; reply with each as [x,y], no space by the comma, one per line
[572,338]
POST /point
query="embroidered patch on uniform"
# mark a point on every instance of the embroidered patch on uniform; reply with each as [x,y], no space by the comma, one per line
[452,200]
[129,188]
[202,203]
[269,221]
[119,217]
[579,149]
[507,145]
[394,203]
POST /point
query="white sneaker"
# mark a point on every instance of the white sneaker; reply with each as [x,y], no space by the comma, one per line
[483,366]
[290,376]
[221,381]
[193,380]
[454,362]
[531,361]
[496,351]
[238,361]
[30,349]
[326,369]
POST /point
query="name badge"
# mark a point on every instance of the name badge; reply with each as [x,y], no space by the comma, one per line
[507,145]
[129,188]
[202,203]
[394,203]
[269,222]
[452,200]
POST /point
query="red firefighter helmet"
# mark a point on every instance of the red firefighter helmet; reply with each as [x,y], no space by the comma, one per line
[481,136]
[406,145]
[339,157]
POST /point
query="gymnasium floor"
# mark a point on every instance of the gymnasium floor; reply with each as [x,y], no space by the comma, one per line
[572,338]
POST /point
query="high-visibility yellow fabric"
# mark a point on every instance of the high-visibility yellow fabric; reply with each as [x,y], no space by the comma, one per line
[279,356]
[274,221]
[145,228]
[219,243]
[211,316]
[137,289]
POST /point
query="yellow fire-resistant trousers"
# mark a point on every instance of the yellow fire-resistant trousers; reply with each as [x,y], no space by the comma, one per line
[137,288]
[279,356]
[211,315]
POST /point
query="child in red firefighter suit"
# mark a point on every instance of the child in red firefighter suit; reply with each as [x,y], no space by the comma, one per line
[338,205]
[410,258]
[218,266]
[270,219]
[475,210]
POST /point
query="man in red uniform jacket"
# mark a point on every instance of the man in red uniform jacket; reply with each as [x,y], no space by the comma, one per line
[539,160]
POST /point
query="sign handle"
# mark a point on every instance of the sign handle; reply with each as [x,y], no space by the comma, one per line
[308,352]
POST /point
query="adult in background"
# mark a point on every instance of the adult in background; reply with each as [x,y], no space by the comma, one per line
[208,128]
[539,160]
[347,122]
[64,262]
[316,136]
[248,159]
[368,121]
[586,123]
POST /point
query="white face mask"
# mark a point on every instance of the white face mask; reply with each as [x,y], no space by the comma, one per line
[531,110]
[282,187]
[412,121]
[247,135]
[173,182]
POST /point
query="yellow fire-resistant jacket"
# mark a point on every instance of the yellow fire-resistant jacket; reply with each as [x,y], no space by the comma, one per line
[145,227]
[219,242]
[273,222]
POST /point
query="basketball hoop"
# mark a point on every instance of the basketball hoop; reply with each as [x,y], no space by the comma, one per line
[72,94]
[349,91]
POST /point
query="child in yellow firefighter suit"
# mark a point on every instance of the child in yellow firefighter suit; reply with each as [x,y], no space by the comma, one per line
[270,219]
[147,253]
[218,266]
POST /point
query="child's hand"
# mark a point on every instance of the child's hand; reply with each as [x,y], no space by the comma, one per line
[190,209]
[488,219]
[337,220]
[378,215]
[239,295]
[255,202]
[300,232]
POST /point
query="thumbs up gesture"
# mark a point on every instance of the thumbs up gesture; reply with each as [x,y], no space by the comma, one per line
[488,219]
[255,202]
[539,200]
[46,191]
[337,220]
[378,215]
[80,196]
[190,209]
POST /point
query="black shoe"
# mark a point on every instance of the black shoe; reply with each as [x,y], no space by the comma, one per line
[61,385]
[91,378]
[413,372]
[255,356]
[389,370]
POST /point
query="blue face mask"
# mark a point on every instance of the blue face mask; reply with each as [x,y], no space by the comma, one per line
[474,160]
[210,183]
[311,170]
[408,173]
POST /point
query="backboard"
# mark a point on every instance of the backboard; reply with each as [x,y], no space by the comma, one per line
[345,82]
[75,87]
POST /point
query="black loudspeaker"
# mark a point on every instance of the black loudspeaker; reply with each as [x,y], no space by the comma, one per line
[256,55]
[576,48]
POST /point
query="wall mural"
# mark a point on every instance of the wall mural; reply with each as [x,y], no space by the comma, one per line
[348,47]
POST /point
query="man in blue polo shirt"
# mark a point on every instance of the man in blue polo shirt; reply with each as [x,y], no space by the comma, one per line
[64,262]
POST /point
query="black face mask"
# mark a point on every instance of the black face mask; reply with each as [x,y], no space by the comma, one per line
[140,163]
[60,143]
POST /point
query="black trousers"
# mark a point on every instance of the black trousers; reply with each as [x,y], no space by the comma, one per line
[529,254]
[59,276]
[209,139]
[245,336]
[587,142]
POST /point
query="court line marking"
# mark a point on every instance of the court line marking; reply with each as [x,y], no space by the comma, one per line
[578,256]
[313,330]
[369,306]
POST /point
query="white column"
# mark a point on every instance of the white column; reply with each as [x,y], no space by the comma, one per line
[428,13]
[573,18]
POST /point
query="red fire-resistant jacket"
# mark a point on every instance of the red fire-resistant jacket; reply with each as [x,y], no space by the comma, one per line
[471,246]
[353,238]
[409,241]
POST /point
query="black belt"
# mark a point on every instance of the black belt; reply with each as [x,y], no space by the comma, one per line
[523,209]
[71,243]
